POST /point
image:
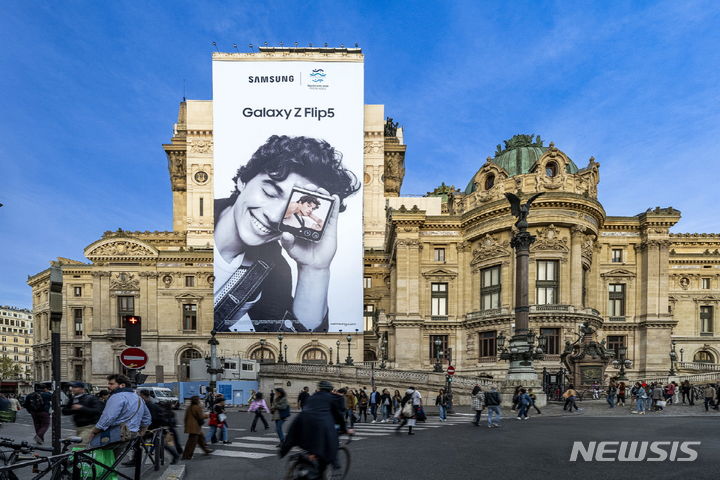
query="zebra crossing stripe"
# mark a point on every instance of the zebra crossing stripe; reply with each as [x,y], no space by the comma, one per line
[258,439]
[231,453]
[258,446]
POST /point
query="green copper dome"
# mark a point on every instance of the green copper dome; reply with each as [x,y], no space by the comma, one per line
[519,155]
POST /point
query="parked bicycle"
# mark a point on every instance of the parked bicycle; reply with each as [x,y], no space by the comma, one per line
[304,465]
[22,451]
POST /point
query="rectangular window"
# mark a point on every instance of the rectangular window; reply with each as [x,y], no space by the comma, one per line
[547,282]
[488,346]
[189,281]
[202,207]
[78,372]
[706,320]
[78,320]
[126,306]
[440,255]
[369,316]
[438,300]
[614,342]
[705,283]
[490,288]
[617,255]
[552,337]
[367,282]
[439,350]
[78,352]
[616,300]
[189,316]
[78,291]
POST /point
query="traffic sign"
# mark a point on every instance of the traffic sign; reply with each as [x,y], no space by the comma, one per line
[451,370]
[134,358]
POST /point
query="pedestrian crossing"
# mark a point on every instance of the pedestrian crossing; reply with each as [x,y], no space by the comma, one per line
[262,446]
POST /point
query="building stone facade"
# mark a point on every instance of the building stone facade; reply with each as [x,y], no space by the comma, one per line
[437,267]
[16,342]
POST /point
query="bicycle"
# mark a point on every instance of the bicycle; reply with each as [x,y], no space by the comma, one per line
[303,465]
[24,451]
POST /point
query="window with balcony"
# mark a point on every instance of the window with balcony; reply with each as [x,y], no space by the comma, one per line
[490,288]
[706,320]
[189,317]
[440,255]
[488,344]
[552,336]
[547,282]
[438,300]
[616,301]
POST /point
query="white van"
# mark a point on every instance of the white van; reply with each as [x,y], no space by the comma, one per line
[162,396]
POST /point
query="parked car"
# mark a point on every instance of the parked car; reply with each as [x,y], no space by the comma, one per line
[163,396]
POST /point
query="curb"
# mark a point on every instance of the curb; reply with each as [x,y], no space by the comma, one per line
[174,472]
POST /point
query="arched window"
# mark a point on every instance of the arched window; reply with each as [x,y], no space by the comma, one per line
[369,355]
[263,355]
[185,357]
[551,169]
[314,355]
[489,181]
[703,356]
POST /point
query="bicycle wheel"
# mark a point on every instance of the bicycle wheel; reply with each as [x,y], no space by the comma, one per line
[297,468]
[343,461]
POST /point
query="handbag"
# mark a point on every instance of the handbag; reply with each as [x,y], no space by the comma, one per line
[116,433]
[221,418]
[284,413]
[407,410]
[661,403]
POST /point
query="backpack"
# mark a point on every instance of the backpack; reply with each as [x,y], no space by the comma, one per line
[34,403]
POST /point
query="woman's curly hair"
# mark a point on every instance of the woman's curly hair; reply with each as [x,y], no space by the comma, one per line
[312,158]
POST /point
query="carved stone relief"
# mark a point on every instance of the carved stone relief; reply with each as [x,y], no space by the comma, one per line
[488,248]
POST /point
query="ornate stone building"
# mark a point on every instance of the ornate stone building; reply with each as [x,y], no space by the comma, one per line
[446,271]
[16,341]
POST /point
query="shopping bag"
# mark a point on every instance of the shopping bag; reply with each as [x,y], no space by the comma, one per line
[8,416]
[91,470]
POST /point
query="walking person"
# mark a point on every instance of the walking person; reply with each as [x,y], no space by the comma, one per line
[38,406]
[621,394]
[85,410]
[362,405]
[523,404]
[709,396]
[640,397]
[396,400]
[658,397]
[516,398]
[633,394]
[408,409]
[217,421]
[441,403]
[374,402]
[385,405]
[686,392]
[194,420]
[259,407]
[611,393]
[302,398]
[350,404]
[280,409]
[570,396]
[160,417]
[533,400]
[492,401]
[478,402]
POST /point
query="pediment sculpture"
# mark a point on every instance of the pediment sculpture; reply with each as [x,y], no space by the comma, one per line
[549,239]
[121,249]
[488,248]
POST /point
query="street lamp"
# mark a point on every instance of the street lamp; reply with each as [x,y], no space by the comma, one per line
[285,357]
[280,339]
[383,352]
[673,359]
[338,352]
[349,359]
[331,357]
[682,350]
[438,367]
[622,362]
[262,349]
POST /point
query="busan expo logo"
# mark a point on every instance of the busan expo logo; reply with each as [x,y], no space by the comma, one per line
[318,79]
[626,451]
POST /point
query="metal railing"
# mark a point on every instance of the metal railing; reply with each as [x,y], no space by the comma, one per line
[82,464]
[707,367]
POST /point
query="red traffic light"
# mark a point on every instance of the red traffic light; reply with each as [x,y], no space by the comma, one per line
[133,320]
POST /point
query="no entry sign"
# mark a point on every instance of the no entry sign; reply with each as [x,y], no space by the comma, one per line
[133,357]
[451,370]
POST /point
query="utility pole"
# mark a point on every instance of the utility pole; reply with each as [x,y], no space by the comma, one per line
[56,311]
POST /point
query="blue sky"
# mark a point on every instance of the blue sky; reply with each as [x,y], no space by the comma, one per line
[90,91]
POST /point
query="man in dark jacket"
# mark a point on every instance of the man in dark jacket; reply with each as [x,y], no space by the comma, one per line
[492,401]
[162,417]
[38,405]
[302,398]
[85,410]
[313,429]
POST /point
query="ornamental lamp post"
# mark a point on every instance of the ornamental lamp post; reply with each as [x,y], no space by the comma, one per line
[280,339]
[673,359]
[338,352]
[622,362]
[262,350]
[349,359]
[331,356]
[285,357]
[682,350]
[438,367]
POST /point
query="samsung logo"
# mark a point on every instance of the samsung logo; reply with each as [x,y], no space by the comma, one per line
[658,451]
[271,79]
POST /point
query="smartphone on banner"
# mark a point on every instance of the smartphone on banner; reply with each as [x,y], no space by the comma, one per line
[306,214]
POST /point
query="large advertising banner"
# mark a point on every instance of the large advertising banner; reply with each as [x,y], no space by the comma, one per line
[288,166]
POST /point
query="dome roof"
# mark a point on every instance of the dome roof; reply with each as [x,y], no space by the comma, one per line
[519,155]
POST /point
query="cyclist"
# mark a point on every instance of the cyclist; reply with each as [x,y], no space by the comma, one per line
[314,429]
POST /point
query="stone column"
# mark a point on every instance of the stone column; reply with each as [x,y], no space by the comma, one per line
[576,270]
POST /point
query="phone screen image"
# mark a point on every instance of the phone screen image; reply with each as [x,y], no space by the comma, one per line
[306,214]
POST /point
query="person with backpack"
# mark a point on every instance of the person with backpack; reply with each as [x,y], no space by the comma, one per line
[38,406]
[492,401]
[523,404]
[85,410]
[159,418]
